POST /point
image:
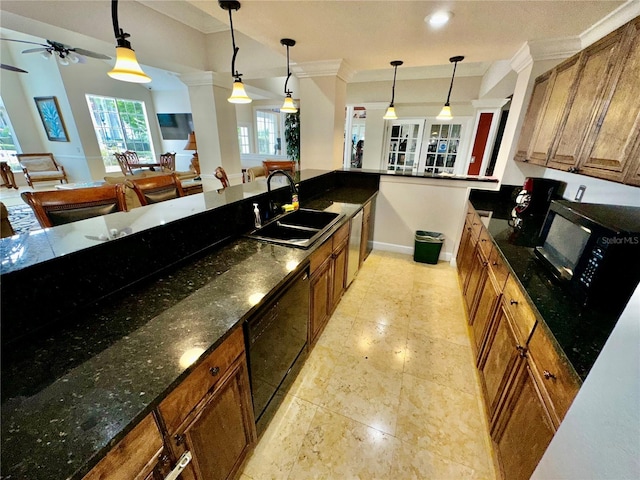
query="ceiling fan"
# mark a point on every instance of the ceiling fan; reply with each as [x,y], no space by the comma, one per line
[11,68]
[65,53]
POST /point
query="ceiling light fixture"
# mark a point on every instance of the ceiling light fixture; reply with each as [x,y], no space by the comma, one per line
[288,106]
[390,114]
[438,19]
[126,68]
[238,95]
[445,113]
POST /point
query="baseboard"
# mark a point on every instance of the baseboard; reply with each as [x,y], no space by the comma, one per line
[390,247]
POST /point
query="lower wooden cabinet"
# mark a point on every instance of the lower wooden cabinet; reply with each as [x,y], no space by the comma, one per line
[140,455]
[527,384]
[221,432]
[524,427]
[328,271]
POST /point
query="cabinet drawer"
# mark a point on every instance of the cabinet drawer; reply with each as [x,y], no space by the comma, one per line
[476,227]
[498,268]
[485,242]
[555,373]
[179,403]
[320,255]
[520,310]
[340,235]
[133,456]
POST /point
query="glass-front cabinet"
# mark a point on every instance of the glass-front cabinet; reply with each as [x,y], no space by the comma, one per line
[442,146]
[404,140]
[424,146]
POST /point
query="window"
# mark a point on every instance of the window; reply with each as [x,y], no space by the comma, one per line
[442,148]
[243,139]
[268,129]
[8,143]
[120,125]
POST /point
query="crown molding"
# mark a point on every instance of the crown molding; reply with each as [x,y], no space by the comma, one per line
[521,59]
[554,48]
[324,68]
[489,103]
[198,79]
[621,15]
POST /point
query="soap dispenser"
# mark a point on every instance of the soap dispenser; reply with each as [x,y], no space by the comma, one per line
[256,213]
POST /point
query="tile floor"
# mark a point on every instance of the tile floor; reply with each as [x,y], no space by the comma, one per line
[390,390]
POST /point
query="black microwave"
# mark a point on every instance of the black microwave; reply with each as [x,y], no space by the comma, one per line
[593,249]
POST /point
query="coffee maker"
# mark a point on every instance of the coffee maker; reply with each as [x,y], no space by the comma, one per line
[536,195]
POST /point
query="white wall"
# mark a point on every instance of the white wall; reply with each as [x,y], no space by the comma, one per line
[405,205]
[600,435]
[173,101]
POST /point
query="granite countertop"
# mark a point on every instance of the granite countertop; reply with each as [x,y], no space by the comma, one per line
[69,396]
[580,331]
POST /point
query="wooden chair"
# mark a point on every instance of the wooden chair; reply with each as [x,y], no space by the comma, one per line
[222,176]
[57,207]
[285,165]
[157,188]
[168,161]
[6,230]
[41,167]
[122,162]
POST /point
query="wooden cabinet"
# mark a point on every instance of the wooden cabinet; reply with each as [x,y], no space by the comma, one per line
[476,278]
[556,99]
[210,414]
[468,242]
[366,239]
[536,103]
[488,297]
[139,455]
[328,267]
[584,115]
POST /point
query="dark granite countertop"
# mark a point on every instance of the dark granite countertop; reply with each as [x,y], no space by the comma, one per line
[70,395]
[580,331]
[439,176]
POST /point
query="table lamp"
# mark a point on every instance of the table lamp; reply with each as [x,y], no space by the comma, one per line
[191,145]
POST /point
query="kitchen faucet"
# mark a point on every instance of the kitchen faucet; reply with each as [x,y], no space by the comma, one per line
[294,190]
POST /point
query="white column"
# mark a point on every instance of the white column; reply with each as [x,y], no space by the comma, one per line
[374,131]
[323,93]
[215,124]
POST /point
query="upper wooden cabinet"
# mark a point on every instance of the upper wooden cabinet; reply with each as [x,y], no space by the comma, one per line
[584,115]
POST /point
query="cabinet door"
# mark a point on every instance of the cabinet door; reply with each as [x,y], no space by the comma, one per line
[320,284]
[501,357]
[223,432]
[366,234]
[477,275]
[524,430]
[531,118]
[596,66]
[560,83]
[633,174]
[485,310]
[339,272]
[607,152]
[465,252]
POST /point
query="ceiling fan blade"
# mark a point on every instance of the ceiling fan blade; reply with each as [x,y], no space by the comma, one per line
[89,53]
[12,68]
[34,50]
[23,41]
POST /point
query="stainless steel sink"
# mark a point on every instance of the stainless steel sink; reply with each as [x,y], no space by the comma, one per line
[300,228]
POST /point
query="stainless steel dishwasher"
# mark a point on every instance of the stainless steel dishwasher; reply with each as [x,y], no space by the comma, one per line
[353,261]
[277,340]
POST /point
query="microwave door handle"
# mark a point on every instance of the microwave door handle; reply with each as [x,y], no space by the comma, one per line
[185,459]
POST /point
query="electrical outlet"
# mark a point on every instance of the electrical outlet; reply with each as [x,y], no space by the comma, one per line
[580,193]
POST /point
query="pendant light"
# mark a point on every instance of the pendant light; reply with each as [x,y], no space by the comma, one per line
[238,95]
[126,68]
[390,114]
[288,106]
[445,113]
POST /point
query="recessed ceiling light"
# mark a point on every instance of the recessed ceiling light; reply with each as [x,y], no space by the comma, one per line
[438,19]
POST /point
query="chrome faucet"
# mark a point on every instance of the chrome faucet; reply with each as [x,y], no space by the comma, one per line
[294,190]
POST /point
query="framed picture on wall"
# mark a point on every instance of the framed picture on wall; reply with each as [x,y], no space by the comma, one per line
[51,118]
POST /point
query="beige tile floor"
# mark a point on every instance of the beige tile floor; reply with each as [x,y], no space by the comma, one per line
[390,390]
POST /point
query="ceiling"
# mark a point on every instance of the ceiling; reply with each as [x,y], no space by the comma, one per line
[365,34]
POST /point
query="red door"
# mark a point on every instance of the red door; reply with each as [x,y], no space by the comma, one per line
[480,144]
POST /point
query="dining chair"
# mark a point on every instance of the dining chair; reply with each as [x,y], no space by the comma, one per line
[57,207]
[6,229]
[122,162]
[41,167]
[222,176]
[157,188]
[273,165]
[168,161]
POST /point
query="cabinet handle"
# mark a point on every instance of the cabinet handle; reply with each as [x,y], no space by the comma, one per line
[214,371]
[548,375]
[494,264]
[483,239]
[513,302]
[179,439]
[521,350]
[484,264]
[474,223]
